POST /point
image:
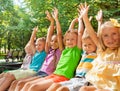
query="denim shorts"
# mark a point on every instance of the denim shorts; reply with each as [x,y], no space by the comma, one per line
[41,74]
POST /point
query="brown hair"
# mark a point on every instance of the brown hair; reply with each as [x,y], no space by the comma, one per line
[67,33]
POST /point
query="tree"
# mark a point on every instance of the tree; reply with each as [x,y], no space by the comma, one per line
[16,22]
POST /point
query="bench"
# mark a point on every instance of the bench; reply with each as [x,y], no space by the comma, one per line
[9,66]
[19,55]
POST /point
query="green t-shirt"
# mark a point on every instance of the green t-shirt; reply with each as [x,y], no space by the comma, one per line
[68,62]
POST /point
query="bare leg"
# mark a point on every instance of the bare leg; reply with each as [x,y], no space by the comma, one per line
[87,88]
[9,78]
[38,85]
[1,75]
[29,83]
[102,90]
[41,86]
[21,83]
[13,85]
[54,87]
[91,88]
[62,88]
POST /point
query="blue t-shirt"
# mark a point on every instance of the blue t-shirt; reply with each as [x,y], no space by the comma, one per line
[37,60]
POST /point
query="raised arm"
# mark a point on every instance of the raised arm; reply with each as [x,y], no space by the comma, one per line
[99,18]
[80,32]
[72,24]
[33,36]
[49,32]
[84,14]
[58,27]
[31,41]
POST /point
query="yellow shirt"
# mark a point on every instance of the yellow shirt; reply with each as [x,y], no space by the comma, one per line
[105,72]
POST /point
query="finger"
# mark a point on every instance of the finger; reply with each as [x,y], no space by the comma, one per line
[90,18]
[46,12]
[81,6]
[85,4]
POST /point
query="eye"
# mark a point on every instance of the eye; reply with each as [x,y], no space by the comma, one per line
[85,45]
[105,35]
[72,39]
[114,34]
[67,39]
[89,44]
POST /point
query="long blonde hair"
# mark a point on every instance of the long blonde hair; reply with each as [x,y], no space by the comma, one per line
[107,24]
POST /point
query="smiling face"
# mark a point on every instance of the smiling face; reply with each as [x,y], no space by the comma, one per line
[88,45]
[111,37]
[54,42]
[71,39]
[40,44]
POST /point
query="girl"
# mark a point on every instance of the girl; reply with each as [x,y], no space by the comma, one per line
[53,50]
[104,74]
[66,66]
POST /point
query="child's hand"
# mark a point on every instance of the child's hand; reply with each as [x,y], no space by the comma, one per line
[99,16]
[35,29]
[75,20]
[48,16]
[90,18]
[55,13]
[83,10]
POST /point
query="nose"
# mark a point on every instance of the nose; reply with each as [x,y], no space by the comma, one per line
[87,47]
[111,38]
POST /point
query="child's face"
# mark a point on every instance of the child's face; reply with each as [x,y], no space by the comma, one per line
[71,40]
[40,46]
[54,42]
[111,37]
[88,45]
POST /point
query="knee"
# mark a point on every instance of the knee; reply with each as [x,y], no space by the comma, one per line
[84,88]
[53,87]
[20,83]
[63,88]
[34,88]
[10,76]
[14,82]
[56,85]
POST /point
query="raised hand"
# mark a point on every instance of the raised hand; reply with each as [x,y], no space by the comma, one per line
[83,9]
[48,16]
[35,29]
[55,13]
[99,16]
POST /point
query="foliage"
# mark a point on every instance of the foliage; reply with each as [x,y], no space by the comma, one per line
[16,22]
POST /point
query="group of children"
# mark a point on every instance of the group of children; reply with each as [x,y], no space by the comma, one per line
[82,60]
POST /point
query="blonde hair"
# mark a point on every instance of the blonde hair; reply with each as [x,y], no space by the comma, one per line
[85,35]
[30,48]
[42,39]
[107,24]
[67,33]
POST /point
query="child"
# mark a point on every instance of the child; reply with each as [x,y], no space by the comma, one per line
[104,75]
[35,65]
[66,66]
[89,49]
[53,49]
